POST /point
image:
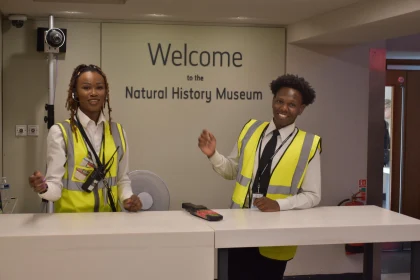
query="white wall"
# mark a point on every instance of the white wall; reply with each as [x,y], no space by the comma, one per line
[340,77]
[25,93]
[162,133]
[407,47]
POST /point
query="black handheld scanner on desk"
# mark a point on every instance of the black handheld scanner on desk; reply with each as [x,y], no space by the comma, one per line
[202,211]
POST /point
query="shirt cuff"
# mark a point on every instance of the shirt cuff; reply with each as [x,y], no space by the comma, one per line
[126,193]
[43,195]
[216,159]
[53,192]
[284,204]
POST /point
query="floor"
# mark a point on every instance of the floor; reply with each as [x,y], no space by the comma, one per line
[399,276]
[396,265]
[396,262]
[395,276]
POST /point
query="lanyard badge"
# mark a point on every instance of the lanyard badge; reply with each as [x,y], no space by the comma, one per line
[255,196]
[258,194]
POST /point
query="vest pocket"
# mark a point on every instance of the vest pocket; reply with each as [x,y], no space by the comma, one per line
[81,173]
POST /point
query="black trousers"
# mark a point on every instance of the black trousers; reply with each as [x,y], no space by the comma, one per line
[249,264]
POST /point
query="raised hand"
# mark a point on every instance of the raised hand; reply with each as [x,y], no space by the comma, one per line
[207,143]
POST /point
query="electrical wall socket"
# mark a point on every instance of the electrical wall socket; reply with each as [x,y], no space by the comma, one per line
[21,130]
[33,130]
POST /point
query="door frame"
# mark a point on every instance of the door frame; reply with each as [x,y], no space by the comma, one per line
[401,65]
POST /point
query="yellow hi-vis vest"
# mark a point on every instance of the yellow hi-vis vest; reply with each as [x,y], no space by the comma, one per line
[73,198]
[286,178]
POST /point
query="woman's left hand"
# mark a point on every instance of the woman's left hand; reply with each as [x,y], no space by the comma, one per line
[132,204]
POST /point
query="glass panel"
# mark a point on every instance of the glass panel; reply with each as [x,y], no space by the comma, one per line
[389,91]
[386,203]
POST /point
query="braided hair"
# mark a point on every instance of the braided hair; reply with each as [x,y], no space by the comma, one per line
[72,104]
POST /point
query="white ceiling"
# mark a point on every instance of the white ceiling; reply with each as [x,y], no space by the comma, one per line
[267,12]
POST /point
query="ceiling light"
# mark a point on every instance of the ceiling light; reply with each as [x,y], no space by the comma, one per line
[240,18]
[121,2]
[69,13]
[157,15]
[72,12]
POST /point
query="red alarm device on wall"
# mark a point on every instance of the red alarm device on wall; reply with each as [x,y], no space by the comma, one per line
[202,212]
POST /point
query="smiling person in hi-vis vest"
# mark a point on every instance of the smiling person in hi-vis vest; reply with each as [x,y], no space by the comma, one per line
[276,167]
[87,155]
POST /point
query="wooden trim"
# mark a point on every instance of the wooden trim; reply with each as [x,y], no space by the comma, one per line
[346,276]
[403,62]
[403,67]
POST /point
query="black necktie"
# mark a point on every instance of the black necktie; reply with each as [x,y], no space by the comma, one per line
[265,162]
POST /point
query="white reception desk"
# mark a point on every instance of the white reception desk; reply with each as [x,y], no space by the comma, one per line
[175,245]
[105,246]
[316,226]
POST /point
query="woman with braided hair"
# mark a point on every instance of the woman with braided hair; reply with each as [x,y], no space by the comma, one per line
[87,155]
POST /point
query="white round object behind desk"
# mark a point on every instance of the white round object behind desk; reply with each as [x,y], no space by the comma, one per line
[146,200]
[150,187]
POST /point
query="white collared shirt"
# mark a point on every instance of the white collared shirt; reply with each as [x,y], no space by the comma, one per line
[56,158]
[309,194]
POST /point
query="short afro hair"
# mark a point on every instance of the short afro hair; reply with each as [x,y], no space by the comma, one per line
[296,83]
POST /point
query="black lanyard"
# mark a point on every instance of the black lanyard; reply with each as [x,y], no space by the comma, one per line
[101,165]
[82,131]
[259,173]
[257,176]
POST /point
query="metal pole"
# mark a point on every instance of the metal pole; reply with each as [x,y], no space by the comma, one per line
[51,86]
[401,80]
[51,90]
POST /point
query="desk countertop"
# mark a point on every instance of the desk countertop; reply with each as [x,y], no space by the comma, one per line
[239,228]
[321,225]
[170,228]
[98,223]
[146,245]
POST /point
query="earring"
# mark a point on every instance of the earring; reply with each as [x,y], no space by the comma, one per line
[74,97]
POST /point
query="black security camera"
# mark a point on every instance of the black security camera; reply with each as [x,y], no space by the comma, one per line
[55,37]
[18,20]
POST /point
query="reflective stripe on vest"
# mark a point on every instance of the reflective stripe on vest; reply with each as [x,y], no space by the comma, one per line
[241,179]
[299,171]
[247,142]
[73,198]
[287,176]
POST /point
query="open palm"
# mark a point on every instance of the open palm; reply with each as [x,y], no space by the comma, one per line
[207,143]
